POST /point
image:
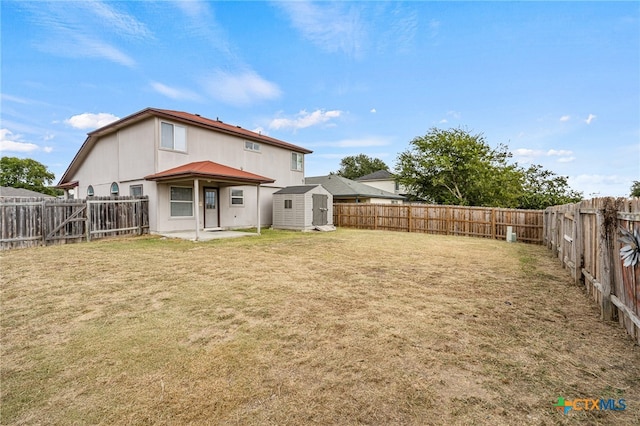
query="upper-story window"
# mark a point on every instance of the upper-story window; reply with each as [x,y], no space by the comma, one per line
[251,146]
[173,137]
[296,161]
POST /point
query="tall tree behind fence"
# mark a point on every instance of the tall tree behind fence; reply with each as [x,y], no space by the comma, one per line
[27,222]
[585,237]
[445,220]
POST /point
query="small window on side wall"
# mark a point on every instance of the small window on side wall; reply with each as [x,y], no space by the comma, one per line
[237,197]
[90,191]
[296,161]
[288,204]
[135,190]
[115,189]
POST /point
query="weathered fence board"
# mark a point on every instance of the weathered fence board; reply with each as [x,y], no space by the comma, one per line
[585,237]
[27,222]
[445,220]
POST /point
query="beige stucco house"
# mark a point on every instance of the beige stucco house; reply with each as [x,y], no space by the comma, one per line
[198,173]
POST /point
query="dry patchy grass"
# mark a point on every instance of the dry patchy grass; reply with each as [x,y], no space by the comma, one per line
[351,327]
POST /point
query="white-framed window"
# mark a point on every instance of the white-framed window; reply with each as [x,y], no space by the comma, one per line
[252,146]
[237,197]
[90,191]
[115,189]
[181,201]
[135,190]
[288,204]
[296,161]
[173,137]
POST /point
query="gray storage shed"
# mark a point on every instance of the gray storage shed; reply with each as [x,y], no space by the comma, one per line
[302,207]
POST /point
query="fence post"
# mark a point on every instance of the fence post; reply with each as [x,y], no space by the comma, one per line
[578,250]
[409,218]
[44,223]
[604,258]
[493,224]
[88,221]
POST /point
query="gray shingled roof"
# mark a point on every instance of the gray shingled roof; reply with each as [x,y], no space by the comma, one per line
[379,175]
[343,187]
[300,189]
[6,191]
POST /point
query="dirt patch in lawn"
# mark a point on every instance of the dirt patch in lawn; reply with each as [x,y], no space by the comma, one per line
[347,327]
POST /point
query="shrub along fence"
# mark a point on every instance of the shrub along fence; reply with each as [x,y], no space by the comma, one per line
[27,222]
[445,220]
[585,237]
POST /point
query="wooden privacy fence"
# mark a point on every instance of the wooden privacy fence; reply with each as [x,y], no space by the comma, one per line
[27,222]
[584,236]
[446,220]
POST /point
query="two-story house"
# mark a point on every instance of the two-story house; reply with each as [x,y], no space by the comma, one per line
[198,173]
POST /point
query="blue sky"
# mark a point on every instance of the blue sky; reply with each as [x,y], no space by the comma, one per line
[558,82]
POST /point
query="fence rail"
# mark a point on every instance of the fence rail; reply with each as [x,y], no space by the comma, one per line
[28,222]
[445,220]
[584,236]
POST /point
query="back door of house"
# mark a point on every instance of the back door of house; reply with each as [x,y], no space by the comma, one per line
[211,218]
[319,210]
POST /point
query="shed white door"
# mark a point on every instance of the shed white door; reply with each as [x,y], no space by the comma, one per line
[319,210]
[211,208]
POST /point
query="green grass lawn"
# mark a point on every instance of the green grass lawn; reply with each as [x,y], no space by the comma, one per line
[347,327]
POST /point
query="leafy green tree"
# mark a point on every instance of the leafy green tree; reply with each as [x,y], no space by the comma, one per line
[26,173]
[543,188]
[635,189]
[355,166]
[456,167]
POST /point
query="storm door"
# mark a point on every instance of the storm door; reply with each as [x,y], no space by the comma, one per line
[211,216]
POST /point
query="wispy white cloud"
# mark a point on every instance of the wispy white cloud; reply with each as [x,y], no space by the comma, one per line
[92,121]
[203,23]
[565,118]
[174,93]
[360,142]
[305,119]
[333,27]
[13,143]
[590,118]
[240,89]
[526,155]
[364,142]
[15,99]
[373,111]
[86,29]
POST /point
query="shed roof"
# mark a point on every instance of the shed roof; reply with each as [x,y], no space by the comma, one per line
[379,175]
[342,187]
[209,170]
[299,189]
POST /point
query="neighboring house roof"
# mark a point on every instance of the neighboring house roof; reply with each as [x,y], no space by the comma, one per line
[299,189]
[7,191]
[342,187]
[178,116]
[209,170]
[379,175]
